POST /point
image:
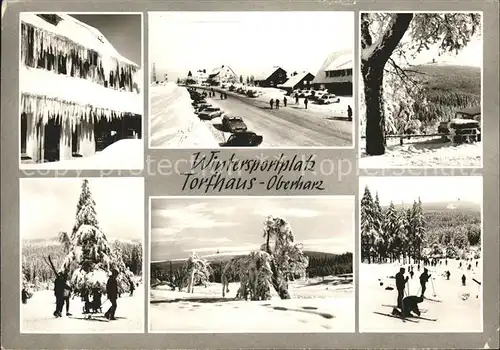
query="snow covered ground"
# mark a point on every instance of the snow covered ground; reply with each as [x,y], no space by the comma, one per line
[37,315]
[315,306]
[173,122]
[424,152]
[125,154]
[459,310]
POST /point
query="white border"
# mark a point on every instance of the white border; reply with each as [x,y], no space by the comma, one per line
[360,140]
[354,97]
[20,262]
[142,93]
[194,198]
[431,326]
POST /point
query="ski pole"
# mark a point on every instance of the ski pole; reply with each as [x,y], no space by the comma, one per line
[433,290]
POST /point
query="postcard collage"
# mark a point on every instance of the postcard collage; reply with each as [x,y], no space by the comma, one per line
[389,90]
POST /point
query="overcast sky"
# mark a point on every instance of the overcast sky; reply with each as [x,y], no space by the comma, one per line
[248,42]
[406,189]
[124,32]
[235,225]
[48,206]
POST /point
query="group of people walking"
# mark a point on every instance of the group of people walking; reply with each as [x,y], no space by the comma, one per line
[62,292]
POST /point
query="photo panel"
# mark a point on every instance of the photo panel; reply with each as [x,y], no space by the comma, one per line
[421,260]
[222,79]
[420,89]
[81,91]
[82,249]
[252,264]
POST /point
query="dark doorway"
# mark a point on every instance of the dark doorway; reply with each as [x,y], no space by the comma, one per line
[74,141]
[52,141]
[24,131]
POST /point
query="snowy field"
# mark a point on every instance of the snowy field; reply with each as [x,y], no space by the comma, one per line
[37,315]
[173,122]
[125,154]
[428,152]
[316,306]
[457,308]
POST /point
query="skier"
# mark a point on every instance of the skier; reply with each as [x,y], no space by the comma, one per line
[24,296]
[448,275]
[469,267]
[61,292]
[349,112]
[284,101]
[271,103]
[446,262]
[401,281]
[477,263]
[277,104]
[418,267]
[460,265]
[424,278]
[112,292]
[463,280]
[410,304]
[132,287]
[296,99]
[306,101]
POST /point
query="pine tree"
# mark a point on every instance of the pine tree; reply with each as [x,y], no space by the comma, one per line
[391,228]
[418,226]
[368,226]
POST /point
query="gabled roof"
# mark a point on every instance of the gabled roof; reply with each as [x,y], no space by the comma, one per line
[218,70]
[265,74]
[334,61]
[295,80]
[78,32]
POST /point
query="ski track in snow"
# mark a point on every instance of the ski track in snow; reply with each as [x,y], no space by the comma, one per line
[37,315]
[313,308]
[453,313]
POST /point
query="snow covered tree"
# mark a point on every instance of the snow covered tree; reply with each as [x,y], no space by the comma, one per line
[194,271]
[90,257]
[417,223]
[381,38]
[286,256]
[369,225]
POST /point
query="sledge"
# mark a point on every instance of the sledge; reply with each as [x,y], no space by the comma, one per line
[394,316]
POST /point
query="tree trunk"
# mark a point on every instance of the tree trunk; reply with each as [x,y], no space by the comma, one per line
[279,283]
[373,91]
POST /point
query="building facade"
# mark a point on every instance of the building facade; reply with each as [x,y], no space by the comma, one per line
[78,94]
[299,81]
[271,78]
[335,74]
[222,75]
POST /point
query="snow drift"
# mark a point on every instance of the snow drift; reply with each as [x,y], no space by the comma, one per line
[173,122]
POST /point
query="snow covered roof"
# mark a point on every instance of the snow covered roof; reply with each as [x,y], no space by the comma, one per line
[264,74]
[83,93]
[290,83]
[77,31]
[335,61]
[221,69]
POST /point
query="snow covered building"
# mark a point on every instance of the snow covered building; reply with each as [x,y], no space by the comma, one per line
[271,77]
[299,81]
[222,74]
[78,94]
[336,74]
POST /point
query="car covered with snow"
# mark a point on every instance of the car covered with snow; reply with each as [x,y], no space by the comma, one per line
[210,113]
[317,94]
[243,139]
[201,107]
[233,124]
[328,99]
[466,126]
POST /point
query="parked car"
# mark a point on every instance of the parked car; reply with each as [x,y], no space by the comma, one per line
[317,94]
[198,102]
[233,124]
[327,99]
[252,93]
[210,113]
[243,139]
[472,113]
[202,107]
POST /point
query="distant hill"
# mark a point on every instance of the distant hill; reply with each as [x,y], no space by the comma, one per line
[458,79]
[458,206]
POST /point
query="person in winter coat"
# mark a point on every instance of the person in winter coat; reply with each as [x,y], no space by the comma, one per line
[277,104]
[400,285]
[132,287]
[271,103]
[112,293]
[296,99]
[448,274]
[284,101]
[306,101]
[410,305]
[62,293]
[463,280]
[349,112]
[424,278]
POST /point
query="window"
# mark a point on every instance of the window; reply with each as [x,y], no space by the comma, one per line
[52,19]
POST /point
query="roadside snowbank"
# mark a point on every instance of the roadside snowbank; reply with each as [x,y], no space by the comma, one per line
[173,122]
[123,154]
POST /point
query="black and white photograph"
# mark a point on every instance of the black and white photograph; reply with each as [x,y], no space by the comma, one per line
[251,79]
[420,90]
[421,254]
[81,97]
[251,264]
[82,255]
